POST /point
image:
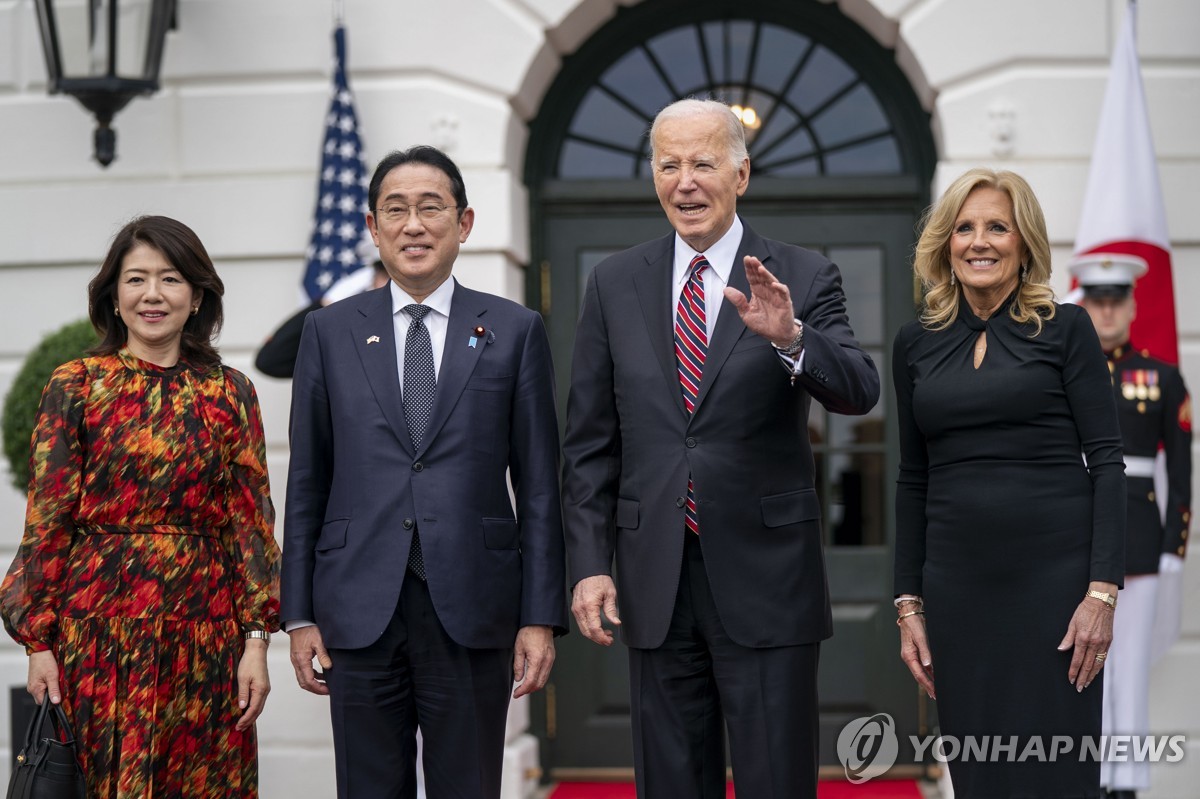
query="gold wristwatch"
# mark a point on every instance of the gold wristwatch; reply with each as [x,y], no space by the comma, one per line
[261,635]
[1105,597]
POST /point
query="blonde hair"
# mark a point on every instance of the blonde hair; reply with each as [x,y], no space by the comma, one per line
[931,262]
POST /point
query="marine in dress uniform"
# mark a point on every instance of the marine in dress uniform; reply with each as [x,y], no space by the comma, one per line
[1155,415]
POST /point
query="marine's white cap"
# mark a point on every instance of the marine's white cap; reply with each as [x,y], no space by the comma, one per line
[1107,274]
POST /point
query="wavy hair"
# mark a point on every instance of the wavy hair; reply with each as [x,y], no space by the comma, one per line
[1034,302]
[179,244]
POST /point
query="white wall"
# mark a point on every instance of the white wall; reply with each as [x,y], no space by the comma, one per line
[231,146]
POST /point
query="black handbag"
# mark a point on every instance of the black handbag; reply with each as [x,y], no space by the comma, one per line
[48,767]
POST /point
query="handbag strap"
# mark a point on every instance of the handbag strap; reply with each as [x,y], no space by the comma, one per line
[35,723]
[62,725]
[58,721]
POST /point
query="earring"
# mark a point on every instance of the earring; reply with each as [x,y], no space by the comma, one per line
[1024,273]
[953,279]
[116,309]
[196,310]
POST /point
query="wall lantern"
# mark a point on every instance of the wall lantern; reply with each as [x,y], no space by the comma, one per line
[113,51]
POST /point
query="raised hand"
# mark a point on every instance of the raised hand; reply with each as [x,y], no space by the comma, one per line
[768,311]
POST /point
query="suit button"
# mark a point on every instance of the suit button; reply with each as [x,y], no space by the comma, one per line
[690,442]
[680,502]
[408,524]
[418,466]
[1150,496]
[1181,550]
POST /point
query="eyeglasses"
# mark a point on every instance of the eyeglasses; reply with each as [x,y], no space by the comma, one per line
[427,210]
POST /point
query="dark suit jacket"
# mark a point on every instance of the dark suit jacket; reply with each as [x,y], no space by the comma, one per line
[630,447]
[356,487]
[277,356]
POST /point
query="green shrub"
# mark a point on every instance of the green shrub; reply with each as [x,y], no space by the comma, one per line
[21,404]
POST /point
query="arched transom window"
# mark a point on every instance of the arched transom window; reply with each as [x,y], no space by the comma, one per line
[806,111]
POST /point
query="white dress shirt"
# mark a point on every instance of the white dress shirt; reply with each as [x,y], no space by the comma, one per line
[437,321]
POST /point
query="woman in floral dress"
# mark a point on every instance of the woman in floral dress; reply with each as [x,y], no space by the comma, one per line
[146,586]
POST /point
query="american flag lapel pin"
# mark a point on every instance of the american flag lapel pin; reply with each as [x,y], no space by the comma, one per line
[372,339]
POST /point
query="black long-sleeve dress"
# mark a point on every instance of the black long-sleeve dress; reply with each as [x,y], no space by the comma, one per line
[1000,527]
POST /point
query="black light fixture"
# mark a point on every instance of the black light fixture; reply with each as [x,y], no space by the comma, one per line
[105,41]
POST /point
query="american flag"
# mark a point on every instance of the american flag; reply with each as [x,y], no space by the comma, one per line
[338,224]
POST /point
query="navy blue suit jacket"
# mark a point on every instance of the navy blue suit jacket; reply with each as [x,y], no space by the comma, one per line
[356,488]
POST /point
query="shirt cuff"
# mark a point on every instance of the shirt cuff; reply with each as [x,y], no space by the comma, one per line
[296,624]
[794,366]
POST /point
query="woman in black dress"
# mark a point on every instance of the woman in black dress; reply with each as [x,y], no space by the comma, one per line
[1010,503]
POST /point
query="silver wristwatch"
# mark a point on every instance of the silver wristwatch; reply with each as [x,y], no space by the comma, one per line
[793,347]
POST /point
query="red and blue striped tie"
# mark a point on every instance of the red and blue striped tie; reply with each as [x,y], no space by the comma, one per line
[691,345]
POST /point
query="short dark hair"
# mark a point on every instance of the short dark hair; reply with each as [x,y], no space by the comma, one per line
[180,245]
[420,154]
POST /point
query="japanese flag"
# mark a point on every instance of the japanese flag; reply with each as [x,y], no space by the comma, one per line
[1123,205]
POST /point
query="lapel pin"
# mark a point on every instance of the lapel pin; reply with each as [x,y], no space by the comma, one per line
[476,334]
[373,339]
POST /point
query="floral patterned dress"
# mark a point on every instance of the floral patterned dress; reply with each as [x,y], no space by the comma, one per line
[148,552]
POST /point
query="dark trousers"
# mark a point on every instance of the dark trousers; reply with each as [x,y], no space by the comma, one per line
[681,690]
[416,675]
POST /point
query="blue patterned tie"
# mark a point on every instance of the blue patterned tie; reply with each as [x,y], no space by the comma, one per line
[691,347]
[420,385]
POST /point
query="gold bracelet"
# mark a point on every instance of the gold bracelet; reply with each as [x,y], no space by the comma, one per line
[910,613]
